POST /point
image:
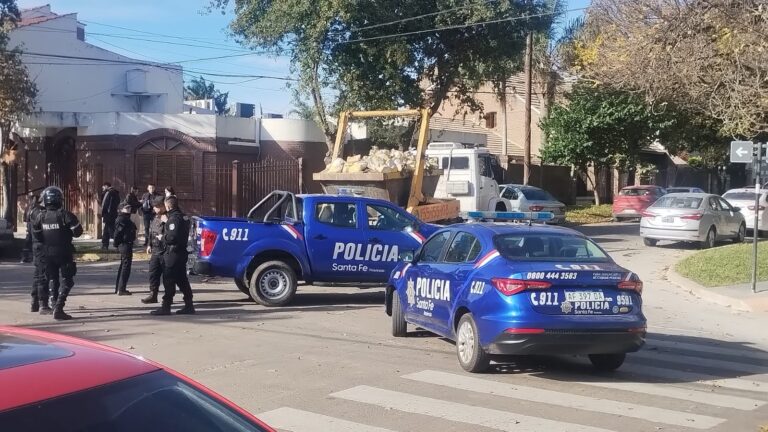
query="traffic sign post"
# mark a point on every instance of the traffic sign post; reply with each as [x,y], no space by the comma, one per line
[746,152]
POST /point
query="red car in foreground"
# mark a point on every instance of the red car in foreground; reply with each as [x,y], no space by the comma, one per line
[50,382]
[632,201]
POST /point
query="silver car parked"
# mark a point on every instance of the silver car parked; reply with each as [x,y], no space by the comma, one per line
[692,217]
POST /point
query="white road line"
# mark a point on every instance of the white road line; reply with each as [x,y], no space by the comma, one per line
[472,415]
[670,391]
[304,421]
[568,400]
[703,362]
[700,378]
[711,349]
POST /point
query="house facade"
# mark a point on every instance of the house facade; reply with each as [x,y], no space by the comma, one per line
[103,117]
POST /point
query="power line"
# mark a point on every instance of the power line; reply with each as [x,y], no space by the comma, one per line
[458,26]
[419,16]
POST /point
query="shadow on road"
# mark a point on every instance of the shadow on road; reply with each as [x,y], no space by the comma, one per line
[609,229]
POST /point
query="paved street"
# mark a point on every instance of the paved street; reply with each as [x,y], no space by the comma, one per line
[329,363]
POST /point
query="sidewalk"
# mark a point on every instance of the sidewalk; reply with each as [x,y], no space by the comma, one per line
[739,297]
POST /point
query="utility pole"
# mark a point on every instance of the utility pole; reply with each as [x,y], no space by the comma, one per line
[504,142]
[528,85]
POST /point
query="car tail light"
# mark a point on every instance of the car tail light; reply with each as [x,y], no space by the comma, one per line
[207,240]
[513,286]
[695,216]
[636,286]
[648,214]
[761,208]
[536,208]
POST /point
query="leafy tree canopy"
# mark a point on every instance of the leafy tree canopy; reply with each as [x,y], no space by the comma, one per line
[199,88]
[390,53]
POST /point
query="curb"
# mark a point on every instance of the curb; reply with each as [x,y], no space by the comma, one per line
[706,294]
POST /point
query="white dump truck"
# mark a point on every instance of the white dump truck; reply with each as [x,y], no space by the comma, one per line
[467,176]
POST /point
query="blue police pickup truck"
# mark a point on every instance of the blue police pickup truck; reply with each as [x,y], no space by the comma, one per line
[285,238]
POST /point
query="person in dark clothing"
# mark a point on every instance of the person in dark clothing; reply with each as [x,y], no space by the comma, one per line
[125,235]
[148,210]
[175,239]
[156,250]
[169,191]
[109,200]
[54,228]
[32,204]
[132,200]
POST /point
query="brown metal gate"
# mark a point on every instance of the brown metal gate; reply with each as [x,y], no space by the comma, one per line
[241,185]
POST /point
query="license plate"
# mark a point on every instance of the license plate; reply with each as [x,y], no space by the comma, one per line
[582,296]
[667,219]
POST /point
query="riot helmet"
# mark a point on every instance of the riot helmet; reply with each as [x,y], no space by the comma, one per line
[52,197]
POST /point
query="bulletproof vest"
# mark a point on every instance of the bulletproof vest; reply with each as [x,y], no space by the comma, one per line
[57,236]
[33,214]
[156,229]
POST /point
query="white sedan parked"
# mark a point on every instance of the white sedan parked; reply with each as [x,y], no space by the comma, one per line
[745,198]
[692,217]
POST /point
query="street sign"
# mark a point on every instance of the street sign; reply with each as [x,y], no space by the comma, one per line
[741,151]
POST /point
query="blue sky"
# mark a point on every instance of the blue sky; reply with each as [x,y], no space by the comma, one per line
[205,32]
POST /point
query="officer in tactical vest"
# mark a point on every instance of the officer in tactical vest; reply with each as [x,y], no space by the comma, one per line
[125,235]
[55,227]
[156,249]
[40,291]
[175,239]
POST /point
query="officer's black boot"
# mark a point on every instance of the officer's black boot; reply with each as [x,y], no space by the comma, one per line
[165,309]
[151,298]
[60,315]
[188,309]
[35,306]
[45,309]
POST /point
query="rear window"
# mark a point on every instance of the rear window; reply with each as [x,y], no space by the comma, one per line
[676,190]
[678,202]
[548,247]
[456,162]
[636,192]
[537,194]
[740,196]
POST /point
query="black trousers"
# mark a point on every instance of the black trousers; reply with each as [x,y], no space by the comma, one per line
[41,288]
[175,274]
[156,266]
[147,222]
[65,267]
[108,232]
[124,271]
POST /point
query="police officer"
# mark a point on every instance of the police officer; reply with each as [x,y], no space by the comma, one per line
[156,250]
[55,227]
[175,239]
[39,283]
[125,235]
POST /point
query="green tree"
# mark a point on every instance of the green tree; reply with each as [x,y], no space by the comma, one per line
[17,99]
[389,53]
[598,127]
[199,88]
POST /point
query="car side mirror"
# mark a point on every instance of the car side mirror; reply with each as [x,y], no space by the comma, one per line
[737,209]
[407,256]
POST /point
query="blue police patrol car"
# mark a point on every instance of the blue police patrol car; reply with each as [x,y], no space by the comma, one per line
[518,289]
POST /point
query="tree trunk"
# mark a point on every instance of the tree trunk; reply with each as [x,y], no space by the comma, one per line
[5,212]
[322,116]
[593,181]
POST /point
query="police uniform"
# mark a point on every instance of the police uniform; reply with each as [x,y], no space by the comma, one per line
[40,289]
[54,228]
[175,239]
[125,235]
[156,262]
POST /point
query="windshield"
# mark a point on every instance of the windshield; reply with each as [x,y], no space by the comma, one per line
[740,196]
[537,194]
[154,402]
[682,202]
[676,190]
[548,247]
[635,192]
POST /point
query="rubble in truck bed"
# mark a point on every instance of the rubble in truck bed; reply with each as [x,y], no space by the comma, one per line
[379,161]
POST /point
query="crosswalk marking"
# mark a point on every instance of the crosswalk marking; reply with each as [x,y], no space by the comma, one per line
[710,349]
[480,416]
[568,400]
[703,362]
[304,421]
[700,378]
[670,391]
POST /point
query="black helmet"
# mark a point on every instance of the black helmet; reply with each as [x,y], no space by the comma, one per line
[52,197]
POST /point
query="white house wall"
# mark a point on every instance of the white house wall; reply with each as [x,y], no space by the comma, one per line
[70,85]
[296,130]
[95,124]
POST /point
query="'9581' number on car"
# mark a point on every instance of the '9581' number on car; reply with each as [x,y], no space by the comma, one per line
[552,275]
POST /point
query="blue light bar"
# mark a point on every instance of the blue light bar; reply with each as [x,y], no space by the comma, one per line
[524,216]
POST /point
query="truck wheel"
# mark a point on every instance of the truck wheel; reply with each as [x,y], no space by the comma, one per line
[399,326]
[472,356]
[649,241]
[240,283]
[273,283]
